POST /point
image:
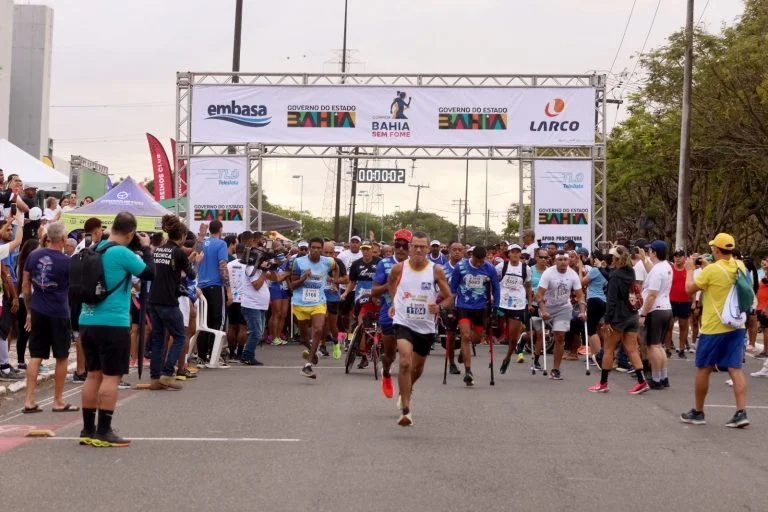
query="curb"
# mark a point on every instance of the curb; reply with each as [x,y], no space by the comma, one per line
[22,384]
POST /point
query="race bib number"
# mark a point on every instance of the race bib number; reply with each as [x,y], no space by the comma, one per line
[310,295]
[510,281]
[416,309]
[475,282]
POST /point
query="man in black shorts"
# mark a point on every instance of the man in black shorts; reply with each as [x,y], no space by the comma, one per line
[47,272]
[105,329]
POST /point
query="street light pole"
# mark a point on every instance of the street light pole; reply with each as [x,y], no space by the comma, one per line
[301,203]
[381,196]
[683,184]
[364,195]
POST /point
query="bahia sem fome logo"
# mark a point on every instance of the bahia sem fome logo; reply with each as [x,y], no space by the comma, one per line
[553,110]
[254,116]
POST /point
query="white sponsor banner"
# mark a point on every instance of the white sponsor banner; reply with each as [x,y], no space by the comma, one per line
[392,116]
[563,201]
[218,190]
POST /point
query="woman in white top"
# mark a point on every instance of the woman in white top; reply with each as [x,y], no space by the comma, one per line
[656,313]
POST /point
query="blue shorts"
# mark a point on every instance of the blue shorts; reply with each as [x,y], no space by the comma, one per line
[724,350]
[278,294]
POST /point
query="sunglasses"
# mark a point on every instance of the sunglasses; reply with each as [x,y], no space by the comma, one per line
[401,245]
[543,257]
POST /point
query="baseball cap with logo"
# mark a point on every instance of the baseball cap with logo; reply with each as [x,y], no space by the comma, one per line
[403,234]
[366,244]
[658,246]
[723,241]
[355,239]
[302,244]
[514,246]
[434,242]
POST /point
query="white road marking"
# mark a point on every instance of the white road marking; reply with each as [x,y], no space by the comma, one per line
[200,439]
[733,406]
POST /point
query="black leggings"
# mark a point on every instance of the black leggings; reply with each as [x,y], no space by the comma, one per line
[214,295]
[23,337]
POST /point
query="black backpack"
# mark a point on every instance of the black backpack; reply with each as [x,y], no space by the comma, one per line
[86,275]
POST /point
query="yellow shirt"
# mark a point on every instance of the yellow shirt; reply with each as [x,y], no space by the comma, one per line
[716,285]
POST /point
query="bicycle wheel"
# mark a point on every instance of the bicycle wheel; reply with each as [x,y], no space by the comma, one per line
[353,348]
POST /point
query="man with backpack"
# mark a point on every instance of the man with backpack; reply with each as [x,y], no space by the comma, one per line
[100,276]
[721,342]
[515,301]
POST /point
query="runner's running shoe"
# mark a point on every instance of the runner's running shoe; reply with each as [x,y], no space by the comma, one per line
[406,419]
[10,374]
[537,367]
[454,370]
[109,440]
[739,420]
[504,366]
[555,375]
[693,417]
[86,437]
[640,387]
[520,358]
[337,350]
[763,372]
[123,385]
[469,379]
[387,387]
[307,371]
[598,388]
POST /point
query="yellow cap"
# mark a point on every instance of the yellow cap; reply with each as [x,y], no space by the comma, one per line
[724,241]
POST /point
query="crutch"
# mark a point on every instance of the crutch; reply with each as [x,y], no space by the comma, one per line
[586,338]
[490,342]
[448,348]
[532,337]
[544,345]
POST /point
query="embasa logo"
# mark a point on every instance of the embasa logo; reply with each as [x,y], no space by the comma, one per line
[254,116]
[554,109]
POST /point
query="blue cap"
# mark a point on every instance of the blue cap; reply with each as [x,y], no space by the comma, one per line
[658,246]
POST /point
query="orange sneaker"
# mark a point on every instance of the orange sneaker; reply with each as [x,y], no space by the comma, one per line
[386,386]
[582,350]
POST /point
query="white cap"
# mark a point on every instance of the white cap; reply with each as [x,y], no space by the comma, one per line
[338,248]
[303,244]
[614,252]
[35,213]
[434,242]
[514,246]
[471,249]
[357,238]
[503,242]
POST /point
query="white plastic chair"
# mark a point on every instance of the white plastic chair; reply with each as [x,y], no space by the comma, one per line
[220,337]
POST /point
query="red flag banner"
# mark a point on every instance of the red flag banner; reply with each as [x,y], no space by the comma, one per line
[161,169]
[183,172]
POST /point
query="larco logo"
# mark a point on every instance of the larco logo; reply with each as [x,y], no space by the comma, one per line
[122,195]
[254,116]
[553,109]
[569,180]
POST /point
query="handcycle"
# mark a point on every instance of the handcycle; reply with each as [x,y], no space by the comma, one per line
[367,330]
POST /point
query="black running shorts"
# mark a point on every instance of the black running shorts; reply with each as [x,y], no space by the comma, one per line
[422,343]
[106,348]
[49,335]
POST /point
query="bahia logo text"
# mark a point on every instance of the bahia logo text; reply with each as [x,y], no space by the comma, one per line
[254,116]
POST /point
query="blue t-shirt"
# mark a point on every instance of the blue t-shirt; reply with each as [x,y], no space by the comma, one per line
[114,311]
[535,278]
[440,260]
[312,291]
[49,273]
[214,250]
[448,269]
[470,285]
[596,288]
[383,268]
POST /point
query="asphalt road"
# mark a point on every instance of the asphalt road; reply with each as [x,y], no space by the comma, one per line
[266,439]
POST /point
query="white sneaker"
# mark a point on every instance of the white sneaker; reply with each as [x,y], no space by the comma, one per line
[762,373]
[406,420]
[729,382]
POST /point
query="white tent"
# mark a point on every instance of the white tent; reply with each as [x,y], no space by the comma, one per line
[32,171]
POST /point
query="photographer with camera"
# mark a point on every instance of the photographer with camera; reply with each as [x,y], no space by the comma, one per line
[170,261]
[105,328]
[258,266]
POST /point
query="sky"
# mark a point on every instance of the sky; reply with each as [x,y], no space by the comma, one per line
[115,64]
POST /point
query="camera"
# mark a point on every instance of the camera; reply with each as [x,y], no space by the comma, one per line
[135,243]
[257,256]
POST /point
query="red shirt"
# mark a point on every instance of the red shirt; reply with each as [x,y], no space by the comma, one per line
[762,296]
[677,294]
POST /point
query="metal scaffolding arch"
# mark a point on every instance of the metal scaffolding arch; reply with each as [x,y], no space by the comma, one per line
[256,152]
